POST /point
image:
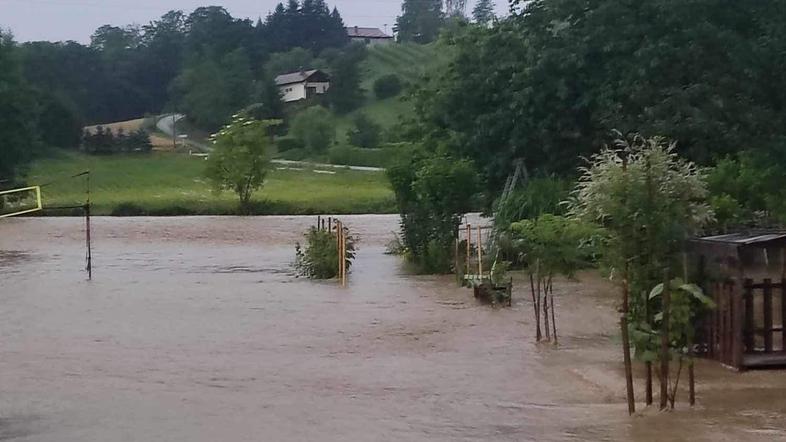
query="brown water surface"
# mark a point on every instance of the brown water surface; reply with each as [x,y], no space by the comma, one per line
[195,329]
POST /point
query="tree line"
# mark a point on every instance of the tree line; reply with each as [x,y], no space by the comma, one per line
[206,64]
[550,85]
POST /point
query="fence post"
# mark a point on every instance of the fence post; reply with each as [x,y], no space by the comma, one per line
[783,314]
[767,316]
[749,331]
[737,345]
[664,343]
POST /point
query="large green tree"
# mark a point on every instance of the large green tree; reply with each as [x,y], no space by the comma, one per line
[18,134]
[308,24]
[212,88]
[345,93]
[240,159]
[548,84]
[483,13]
[420,20]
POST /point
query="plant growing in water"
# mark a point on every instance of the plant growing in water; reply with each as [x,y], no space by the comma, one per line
[552,245]
[650,201]
[319,259]
[685,303]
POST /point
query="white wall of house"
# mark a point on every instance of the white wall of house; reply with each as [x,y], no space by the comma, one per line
[297,91]
[293,92]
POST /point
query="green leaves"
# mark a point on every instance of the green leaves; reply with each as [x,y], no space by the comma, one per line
[239,161]
[680,288]
[314,128]
[560,244]
[433,191]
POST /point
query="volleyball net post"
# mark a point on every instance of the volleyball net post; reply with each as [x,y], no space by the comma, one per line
[26,200]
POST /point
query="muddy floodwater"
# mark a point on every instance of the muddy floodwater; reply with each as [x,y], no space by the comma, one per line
[195,329]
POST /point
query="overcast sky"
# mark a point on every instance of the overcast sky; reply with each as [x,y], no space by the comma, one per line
[57,20]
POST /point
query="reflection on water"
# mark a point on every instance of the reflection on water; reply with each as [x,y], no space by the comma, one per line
[195,329]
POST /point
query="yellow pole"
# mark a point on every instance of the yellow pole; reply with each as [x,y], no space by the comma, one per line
[343,256]
[338,246]
[469,247]
[342,260]
[480,255]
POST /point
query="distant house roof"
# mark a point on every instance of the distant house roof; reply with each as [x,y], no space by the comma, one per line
[299,77]
[358,32]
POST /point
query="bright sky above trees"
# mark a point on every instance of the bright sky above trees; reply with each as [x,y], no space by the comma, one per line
[56,20]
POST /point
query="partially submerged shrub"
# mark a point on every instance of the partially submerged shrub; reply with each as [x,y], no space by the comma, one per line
[395,246]
[319,259]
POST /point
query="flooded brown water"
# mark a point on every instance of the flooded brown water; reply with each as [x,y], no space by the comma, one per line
[194,329]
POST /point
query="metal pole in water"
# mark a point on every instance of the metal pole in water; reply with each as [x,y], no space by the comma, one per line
[89,256]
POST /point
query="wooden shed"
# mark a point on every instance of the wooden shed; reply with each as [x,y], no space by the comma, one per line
[745,274]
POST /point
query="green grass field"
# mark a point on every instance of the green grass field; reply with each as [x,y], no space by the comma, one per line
[173,184]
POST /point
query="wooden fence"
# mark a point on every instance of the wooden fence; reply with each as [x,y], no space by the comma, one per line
[742,330]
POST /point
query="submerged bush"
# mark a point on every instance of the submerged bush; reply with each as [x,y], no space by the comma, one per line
[319,259]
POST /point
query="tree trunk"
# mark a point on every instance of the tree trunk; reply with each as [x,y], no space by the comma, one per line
[546,310]
[535,307]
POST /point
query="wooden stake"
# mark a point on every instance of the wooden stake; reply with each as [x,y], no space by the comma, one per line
[338,247]
[537,297]
[664,343]
[469,248]
[535,306]
[691,372]
[546,310]
[480,255]
[648,391]
[626,345]
[553,319]
[343,256]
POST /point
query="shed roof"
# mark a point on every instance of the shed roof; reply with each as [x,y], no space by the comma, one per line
[753,238]
[295,77]
[359,32]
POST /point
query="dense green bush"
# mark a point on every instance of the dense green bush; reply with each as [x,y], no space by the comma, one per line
[288,143]
[365,133]
[314,128]
[300,154]
[104,141]
[319,259]
[539,196]
[356,156]
[748,191]
[433,193]
[387,86]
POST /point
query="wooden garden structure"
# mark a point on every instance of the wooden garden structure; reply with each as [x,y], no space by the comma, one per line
[745,275]
[483,282]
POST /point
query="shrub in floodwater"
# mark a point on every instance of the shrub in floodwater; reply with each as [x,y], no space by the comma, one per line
[319,258]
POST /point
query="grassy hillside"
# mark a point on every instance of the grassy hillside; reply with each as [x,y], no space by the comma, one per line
[411,62]
[172,184]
